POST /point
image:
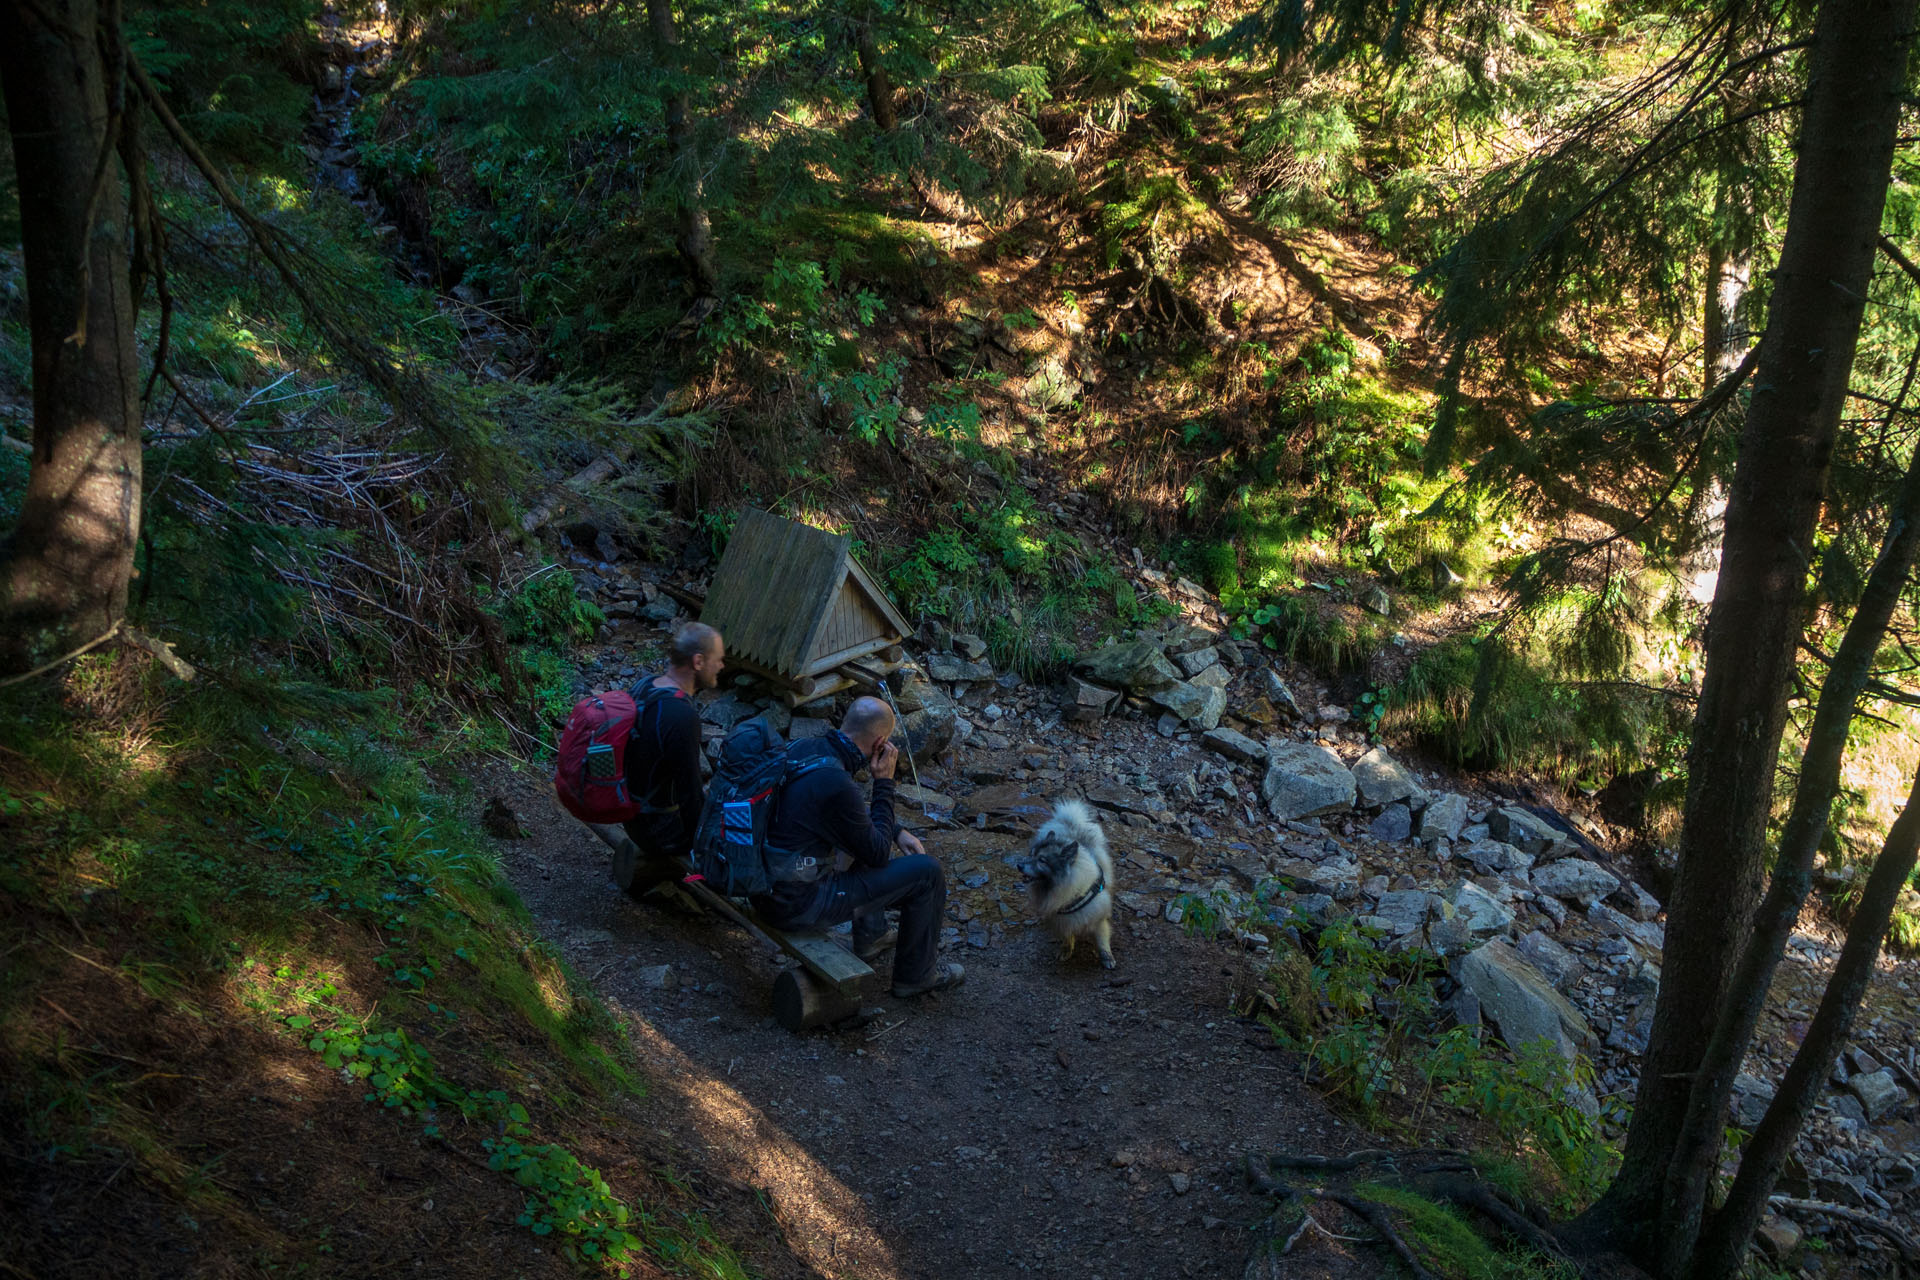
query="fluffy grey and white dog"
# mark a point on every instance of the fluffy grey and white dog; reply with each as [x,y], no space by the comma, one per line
[1070,878]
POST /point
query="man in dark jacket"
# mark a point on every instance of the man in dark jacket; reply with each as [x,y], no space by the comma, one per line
[663,759]
[820,813]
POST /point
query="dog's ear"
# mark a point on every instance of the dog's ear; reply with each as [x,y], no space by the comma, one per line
[1070,848]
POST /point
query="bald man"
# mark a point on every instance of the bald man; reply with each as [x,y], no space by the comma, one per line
[821,813]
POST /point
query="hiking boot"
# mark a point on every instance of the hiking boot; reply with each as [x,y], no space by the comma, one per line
[945,974]
[873,950]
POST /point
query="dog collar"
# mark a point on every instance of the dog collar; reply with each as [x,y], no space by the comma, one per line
[1099,884]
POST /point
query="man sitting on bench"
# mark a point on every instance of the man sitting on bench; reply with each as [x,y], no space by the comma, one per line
[663,757]
[822,811]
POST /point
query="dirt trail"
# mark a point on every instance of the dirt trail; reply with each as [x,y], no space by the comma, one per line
[1043,1119]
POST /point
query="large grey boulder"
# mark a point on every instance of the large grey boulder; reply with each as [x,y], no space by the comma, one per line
[1877,1091]
[1482,914]
[1520,1002]
[1214,706]
[1304,781]
[1559,965]
[929,731]
[1135,667]
[1443,817]
[1381,779]
[1575,880]
[1525,831]
[1233,744]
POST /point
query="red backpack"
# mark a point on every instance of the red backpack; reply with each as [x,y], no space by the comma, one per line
[590,776]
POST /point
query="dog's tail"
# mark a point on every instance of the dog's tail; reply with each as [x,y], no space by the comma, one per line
[1077,812]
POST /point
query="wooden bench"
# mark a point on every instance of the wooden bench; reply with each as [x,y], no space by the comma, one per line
[826,986]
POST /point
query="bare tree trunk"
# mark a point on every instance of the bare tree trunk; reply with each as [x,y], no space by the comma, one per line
[1806,356]
[1724,1239]
[1818,783]
[64,574]
[879,87]
[694,233]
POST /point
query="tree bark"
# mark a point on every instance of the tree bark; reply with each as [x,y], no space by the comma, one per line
[64,574]
[879,86]
[1819,781]
[693,232]
[1723,1242]
[1806,355]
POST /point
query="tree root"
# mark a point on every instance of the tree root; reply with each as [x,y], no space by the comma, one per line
[1440,1175]
[1908,1246]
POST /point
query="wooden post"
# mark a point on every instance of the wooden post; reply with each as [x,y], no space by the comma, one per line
[801,1002]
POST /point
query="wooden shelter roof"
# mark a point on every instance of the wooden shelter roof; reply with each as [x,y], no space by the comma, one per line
[791,600]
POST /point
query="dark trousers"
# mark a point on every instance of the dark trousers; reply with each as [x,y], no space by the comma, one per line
[663,845]
[913,883]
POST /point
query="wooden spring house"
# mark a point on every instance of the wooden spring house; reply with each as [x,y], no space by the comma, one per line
[795,606]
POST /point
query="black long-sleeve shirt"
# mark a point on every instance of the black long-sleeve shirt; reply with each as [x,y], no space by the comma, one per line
[663,773]
[822,811]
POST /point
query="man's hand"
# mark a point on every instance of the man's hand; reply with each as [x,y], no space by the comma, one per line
[882,760]
[909,842]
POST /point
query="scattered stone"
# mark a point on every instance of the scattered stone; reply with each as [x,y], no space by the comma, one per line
[1496,857]
[1134,667]
[1479,911]
[1180,1183]
[1749,1102]
[1278,694]
[1878,1092]
[1378,601]
[969,646]
[1523,830]
[1304,781]
[1381,779]
[1560,965]
[1519,1001]
[663,610]
[1394,823]
[658,977]
[1631,1033]
[1192,664]
[1403,910]
[1648,936]
[1779,1237]
[950,668]
[1576,880]
[1214,677]
[1443,817]
[1637,902]
[1234,745]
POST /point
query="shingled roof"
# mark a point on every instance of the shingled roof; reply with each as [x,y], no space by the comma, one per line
[792,601]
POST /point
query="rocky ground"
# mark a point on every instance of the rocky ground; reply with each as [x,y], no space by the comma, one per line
[1063,1100]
